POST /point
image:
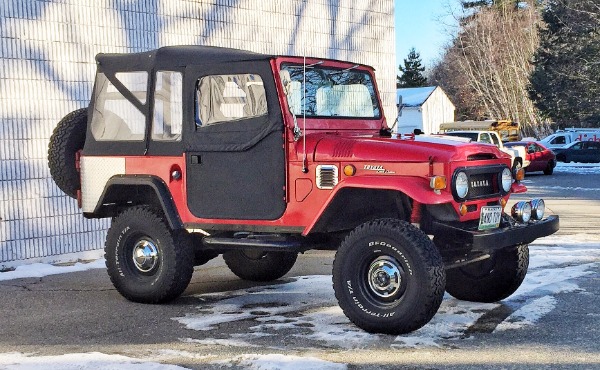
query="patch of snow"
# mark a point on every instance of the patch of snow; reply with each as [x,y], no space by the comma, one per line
[78,361]
[281,362]
[528,314]
[578,168]
[38,270]
[221,342]
[306,306]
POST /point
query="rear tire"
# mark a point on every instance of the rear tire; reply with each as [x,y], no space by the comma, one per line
[259,266]
[67,139]
[147,261]
[490,280]
[388,277]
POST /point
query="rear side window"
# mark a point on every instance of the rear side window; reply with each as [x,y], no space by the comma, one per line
[226,98]
[115,118]
[168,115]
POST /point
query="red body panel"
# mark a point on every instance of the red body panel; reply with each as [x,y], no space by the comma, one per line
[381,163]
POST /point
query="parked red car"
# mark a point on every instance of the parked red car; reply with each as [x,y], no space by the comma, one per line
[540,157]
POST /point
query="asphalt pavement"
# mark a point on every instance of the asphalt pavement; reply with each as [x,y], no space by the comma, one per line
[81,312]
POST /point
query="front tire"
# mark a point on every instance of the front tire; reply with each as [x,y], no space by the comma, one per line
[490,280]
[259,266]
[147,261]
[388,277]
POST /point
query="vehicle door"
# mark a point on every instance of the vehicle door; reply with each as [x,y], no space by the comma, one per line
[577,152]
[592,152]
[534,155]
[235,159]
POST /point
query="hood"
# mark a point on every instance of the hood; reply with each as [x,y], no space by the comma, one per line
[366,149]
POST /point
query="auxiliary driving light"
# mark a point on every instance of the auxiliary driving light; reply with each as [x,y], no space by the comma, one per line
[538,207]
[521,211]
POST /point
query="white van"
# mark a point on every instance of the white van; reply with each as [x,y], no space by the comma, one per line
[564,137]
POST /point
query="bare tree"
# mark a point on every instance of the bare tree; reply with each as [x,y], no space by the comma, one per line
[487,67]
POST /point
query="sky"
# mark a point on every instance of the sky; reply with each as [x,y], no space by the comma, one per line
[425,25]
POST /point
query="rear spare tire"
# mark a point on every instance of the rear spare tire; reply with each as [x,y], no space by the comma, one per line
[67,139]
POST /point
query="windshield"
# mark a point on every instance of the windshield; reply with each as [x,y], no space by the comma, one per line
[468,135]
[330,92]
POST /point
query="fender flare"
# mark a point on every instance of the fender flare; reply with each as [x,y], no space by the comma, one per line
[416,188]
[121,189]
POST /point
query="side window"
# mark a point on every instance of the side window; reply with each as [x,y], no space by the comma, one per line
[225,98]
[485,138]
[579,145]
[115,118]
[168,114]
[495,140]
[559,140]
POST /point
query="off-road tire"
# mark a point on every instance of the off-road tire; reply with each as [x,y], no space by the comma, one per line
[490,280]
[173,267]
[66,140]
[549,170]
[257,266]
[401,248]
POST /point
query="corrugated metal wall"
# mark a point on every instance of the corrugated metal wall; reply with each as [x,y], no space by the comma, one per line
[47,67]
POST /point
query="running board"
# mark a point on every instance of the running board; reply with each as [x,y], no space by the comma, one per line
[219,243]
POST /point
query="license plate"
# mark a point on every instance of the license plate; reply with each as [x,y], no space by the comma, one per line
[490,217]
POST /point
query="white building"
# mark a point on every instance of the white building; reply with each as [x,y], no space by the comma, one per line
[47,67]
[423,108]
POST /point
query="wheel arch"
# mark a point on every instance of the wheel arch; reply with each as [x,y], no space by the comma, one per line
[353,206]
[123,191]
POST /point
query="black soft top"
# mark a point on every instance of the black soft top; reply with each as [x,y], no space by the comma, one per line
[176,56]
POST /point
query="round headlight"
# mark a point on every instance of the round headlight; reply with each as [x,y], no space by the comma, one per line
[521,211]
[538,207]
[507,180]
[461,184]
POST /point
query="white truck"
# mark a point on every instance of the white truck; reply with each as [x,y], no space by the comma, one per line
[517,153]
[563,137]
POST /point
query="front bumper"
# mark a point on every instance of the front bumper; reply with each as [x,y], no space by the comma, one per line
[508,234]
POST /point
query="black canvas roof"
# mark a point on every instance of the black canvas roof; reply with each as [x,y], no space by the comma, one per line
[176,56]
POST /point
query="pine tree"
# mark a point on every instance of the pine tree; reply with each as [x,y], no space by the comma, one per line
[412,72]
[565,84]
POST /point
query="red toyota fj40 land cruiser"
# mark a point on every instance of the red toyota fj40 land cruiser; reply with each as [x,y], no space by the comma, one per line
[199,151]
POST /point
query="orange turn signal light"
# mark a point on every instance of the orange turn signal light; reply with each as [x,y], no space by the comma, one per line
[520,174]
[463,209]
[349,170]
[503,202]
[437,182]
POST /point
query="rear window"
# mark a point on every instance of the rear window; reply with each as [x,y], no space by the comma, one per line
[115,118]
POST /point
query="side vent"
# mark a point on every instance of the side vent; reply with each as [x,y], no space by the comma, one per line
[327,176]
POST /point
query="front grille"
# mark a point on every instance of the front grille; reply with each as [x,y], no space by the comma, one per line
[327,176]
[483,181]
[482,184]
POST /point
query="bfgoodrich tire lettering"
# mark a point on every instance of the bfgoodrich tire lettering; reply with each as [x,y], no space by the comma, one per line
[259,266]
[147,261]
[66,140]
[388,277]
[490,280]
